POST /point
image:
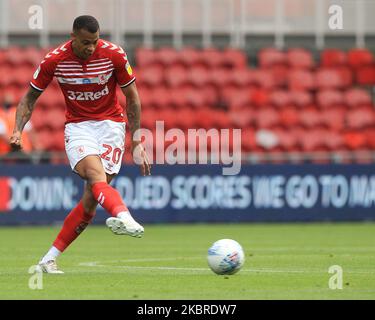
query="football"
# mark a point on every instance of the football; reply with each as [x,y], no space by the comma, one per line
[225,256]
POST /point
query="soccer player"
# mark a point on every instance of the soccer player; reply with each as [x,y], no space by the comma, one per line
[88,69]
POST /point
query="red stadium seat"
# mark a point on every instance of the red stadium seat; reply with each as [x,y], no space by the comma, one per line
[213,58]
[280,75]
[360,119]
[178,97]
[46,139]
[55,119]
[195,98]
[220,119]
[204,118]
[51,99]
[333,58]
[185,119]
[333,119]
[313,140]
[355,140]
[267,118]
[198,76]
[161,97]
[145,95]
[360,57]
[357,97]
[241,118]
[300,58]
[280,98]
[21,77]
[301,80]
[328,79]
[59,141]
[148,119]
[310,118]
[366,75]
[289,117]
[220,77]
[14,56]
[270,57]
[262,78]
[248,139]
[234,58]
[5,81]
[32,57]
[259,97]
[346,75]
[237,98]
[330,98]
[167,115]
[370,138]
[151,75]
[167,56]
[301,98]
[333,141]
[144,57]
[39,119]
[176,76]
[287,139]
[14,93]
[190,57]
[240,77]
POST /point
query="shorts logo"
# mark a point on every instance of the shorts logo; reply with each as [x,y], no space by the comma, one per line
[81,150]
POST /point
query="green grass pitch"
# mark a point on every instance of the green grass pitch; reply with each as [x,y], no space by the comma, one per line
[283,261]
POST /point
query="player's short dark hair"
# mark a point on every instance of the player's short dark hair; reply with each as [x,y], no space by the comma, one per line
[88,23]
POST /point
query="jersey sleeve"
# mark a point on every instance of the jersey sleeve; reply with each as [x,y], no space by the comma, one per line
[123,71]
[43,75]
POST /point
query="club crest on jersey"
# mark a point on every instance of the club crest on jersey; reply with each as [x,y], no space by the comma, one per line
[102,79]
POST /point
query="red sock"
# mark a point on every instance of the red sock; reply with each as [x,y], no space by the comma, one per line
[76,221]
[108,198]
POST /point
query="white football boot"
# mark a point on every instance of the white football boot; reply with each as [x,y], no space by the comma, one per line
[50,267]
[125,224]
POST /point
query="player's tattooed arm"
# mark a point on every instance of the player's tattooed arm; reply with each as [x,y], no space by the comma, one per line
[23,114]
[25,108]
[133,111]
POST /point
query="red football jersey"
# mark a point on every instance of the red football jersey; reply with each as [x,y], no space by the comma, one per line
[89,86]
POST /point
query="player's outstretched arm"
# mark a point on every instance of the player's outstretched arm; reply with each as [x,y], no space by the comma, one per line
[133,111]
[24,111]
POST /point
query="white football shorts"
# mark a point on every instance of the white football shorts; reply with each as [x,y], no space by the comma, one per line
[103,138]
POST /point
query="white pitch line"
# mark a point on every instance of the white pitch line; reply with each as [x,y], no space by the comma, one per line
[98,264]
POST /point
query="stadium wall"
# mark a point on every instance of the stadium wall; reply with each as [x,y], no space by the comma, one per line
[44,194]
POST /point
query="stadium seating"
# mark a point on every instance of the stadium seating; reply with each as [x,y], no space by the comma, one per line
[295,101]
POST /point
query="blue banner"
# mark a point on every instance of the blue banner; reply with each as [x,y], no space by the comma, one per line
[44,194]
